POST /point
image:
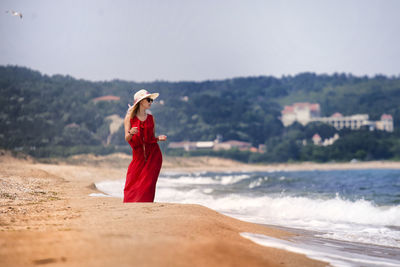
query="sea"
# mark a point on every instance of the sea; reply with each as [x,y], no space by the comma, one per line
[343,217]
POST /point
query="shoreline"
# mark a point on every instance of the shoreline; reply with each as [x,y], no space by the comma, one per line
[305,166]
[48,217]
[205,163]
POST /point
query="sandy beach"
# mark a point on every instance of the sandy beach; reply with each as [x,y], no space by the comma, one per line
[48,218]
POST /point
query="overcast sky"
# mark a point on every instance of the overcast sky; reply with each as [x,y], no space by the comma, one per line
[198,40]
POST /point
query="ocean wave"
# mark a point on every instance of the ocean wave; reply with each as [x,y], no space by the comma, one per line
[197,180]
[334,255]
[336,210]
[258,182]
[336,218]
[358,221]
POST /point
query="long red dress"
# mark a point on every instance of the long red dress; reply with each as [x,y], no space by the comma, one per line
[143,171]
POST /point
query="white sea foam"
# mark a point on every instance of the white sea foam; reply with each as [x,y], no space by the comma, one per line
[257,182]
[330,254]
[358,221]
[208,190]
[217,180]
[231,179]
[175,173]
[189,180]
[370,235]
[336,218]
[112,188]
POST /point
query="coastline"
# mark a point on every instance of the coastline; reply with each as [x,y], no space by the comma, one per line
[219,164]
[48,217]
[204,163]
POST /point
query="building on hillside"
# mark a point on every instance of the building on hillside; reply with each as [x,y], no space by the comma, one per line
[214,145]
[190,146]
[386,123]
[330,141]
[106,98]
[185,145]
[353,122]
[305,113]
[317,140]
[231,144]
[204,145]
[300,112]
[357,121]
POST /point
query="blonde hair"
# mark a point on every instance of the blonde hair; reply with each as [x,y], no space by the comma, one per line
[134,111]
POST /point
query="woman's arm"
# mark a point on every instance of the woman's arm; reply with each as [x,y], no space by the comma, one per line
[160,137]
[127,125]
[129,131]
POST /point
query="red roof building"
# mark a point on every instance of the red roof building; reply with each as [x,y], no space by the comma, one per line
[317,140]
[386,117]
[337,115]
[106,98]
[302,112]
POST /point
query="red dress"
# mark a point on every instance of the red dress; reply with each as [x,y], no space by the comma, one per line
[143,171]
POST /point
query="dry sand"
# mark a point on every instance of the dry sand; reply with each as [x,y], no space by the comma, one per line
[48,218]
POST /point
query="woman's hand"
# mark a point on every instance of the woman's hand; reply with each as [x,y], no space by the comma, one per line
[162,138]
[133,131]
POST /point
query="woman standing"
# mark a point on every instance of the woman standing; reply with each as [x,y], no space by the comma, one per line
[143,171]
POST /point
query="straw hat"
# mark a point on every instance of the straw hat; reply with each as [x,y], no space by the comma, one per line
[140,95]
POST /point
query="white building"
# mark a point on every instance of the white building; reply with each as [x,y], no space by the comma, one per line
[385,124]
[305,113]
[204,145]
[186,145]
[317,140]
[300,112]
[231,144]
[353,122]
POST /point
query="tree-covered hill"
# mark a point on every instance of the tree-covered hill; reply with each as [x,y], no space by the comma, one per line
[56,115]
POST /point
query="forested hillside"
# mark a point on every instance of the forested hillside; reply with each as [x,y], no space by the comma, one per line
[56,115]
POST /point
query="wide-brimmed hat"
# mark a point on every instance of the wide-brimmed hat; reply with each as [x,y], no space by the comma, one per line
[142,94]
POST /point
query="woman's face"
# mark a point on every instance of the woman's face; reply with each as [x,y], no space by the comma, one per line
[146,103]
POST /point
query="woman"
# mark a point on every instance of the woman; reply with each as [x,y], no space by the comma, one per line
[143,171]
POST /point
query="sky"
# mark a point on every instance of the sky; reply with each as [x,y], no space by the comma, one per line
[186,40]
